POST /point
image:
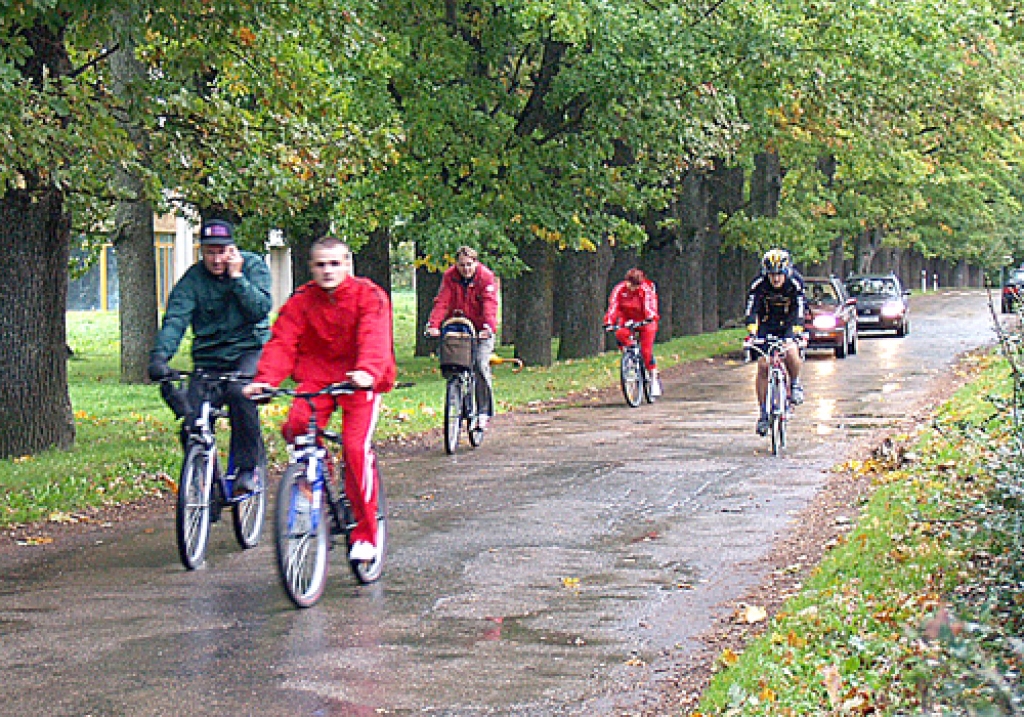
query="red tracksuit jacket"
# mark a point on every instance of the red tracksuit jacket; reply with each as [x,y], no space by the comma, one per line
[320,336]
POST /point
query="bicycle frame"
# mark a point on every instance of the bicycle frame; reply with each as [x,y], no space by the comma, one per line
[204,490]
[777,403]
[635,379]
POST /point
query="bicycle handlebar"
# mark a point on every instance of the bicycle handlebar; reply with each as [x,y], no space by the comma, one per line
[628,325]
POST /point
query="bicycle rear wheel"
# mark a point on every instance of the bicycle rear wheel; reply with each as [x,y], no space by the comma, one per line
[301,537]
[247,513]
[192,519]
[369,572]
[452,414]
[631,378]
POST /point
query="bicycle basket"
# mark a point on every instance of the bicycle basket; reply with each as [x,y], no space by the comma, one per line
[456,350]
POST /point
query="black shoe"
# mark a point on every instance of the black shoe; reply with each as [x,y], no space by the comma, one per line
[762,426]
[245,482]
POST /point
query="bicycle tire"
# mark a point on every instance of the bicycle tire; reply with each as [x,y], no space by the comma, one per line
[370,572]
[473,430]
[247,513]
[192,517]
[648,381]
[776,409]
[631,378]
[301,546]
[452,414]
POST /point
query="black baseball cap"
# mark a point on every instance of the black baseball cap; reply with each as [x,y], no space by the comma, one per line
[216,232]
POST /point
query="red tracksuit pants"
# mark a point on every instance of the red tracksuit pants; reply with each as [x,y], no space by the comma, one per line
[647,334]
[359,413]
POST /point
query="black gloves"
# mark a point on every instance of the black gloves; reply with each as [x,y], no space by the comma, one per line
[159,370]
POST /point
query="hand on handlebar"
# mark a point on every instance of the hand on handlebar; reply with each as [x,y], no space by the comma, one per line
[432,331]
[256,391]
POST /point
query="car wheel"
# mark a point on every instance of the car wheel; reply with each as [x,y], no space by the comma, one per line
[841,348]
[901,330]
[852,347]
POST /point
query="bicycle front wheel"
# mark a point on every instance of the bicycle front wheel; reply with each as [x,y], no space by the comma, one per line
[301,537]
[776,411]
[452,414]
[192,520]
[367,572]
[631,377]
[247,514]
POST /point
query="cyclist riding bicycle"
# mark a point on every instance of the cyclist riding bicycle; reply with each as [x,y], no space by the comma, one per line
[775,307]
[226,300]
[336,328]
[469,290]
[636,299]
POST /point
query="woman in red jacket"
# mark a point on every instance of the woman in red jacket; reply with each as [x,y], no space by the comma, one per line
[636,299]
[470,290]
[334,329]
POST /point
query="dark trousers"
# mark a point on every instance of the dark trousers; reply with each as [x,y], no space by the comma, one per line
[246,437]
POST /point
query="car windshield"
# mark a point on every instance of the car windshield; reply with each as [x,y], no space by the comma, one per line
[822,293]
[873,287]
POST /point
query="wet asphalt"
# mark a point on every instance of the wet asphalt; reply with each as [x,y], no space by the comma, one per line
[559,569]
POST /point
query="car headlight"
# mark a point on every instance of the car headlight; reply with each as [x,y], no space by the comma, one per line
[892,309]
[825,321]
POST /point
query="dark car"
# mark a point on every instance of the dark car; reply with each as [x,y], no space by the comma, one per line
[1012,289]
[882,303]
[830,321]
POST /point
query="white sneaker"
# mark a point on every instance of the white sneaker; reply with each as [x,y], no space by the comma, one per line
[483,420]
[362,551]
[655,385]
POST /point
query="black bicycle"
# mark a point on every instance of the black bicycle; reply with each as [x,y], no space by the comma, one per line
[458,346]
[312,507]
[204,489]
[637,382]
[777,402]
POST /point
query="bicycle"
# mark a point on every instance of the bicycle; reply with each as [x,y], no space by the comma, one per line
[312,507]
[458,346]
[637,382]
[204,490]
[777,402]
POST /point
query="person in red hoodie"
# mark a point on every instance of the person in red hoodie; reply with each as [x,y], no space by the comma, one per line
[469,289]
[636,299]
[336,328]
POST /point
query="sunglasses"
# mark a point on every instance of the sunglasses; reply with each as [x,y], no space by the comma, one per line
[322,264]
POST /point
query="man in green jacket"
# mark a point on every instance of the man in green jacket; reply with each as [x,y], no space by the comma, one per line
[225,298]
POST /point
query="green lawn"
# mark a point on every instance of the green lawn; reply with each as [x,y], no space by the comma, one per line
[126,445]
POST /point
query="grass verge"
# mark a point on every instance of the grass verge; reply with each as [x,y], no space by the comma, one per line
[917,610]
[126,447]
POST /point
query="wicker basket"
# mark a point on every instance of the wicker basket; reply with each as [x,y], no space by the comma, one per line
[456,350]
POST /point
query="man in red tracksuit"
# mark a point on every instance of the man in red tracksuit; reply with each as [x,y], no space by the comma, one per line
[469,289]
[336,328]
[636,299]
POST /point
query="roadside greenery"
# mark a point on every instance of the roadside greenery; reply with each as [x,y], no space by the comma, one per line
[128,449]
[918,609]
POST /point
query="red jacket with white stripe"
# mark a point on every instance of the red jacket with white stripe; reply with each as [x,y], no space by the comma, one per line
[629,304]
[320,336]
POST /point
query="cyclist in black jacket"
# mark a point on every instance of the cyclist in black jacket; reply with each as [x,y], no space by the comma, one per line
[775,307]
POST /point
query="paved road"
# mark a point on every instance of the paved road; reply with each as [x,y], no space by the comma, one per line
[553,571]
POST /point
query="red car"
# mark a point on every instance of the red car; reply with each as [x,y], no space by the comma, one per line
[830,321]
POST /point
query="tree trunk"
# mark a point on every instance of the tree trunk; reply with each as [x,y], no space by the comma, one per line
[661,264]
[373,260]
[582,277]
[508,310]
[35,410]
[533,304]
[427,284]
[133,233]
[765,185]
[136,277]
